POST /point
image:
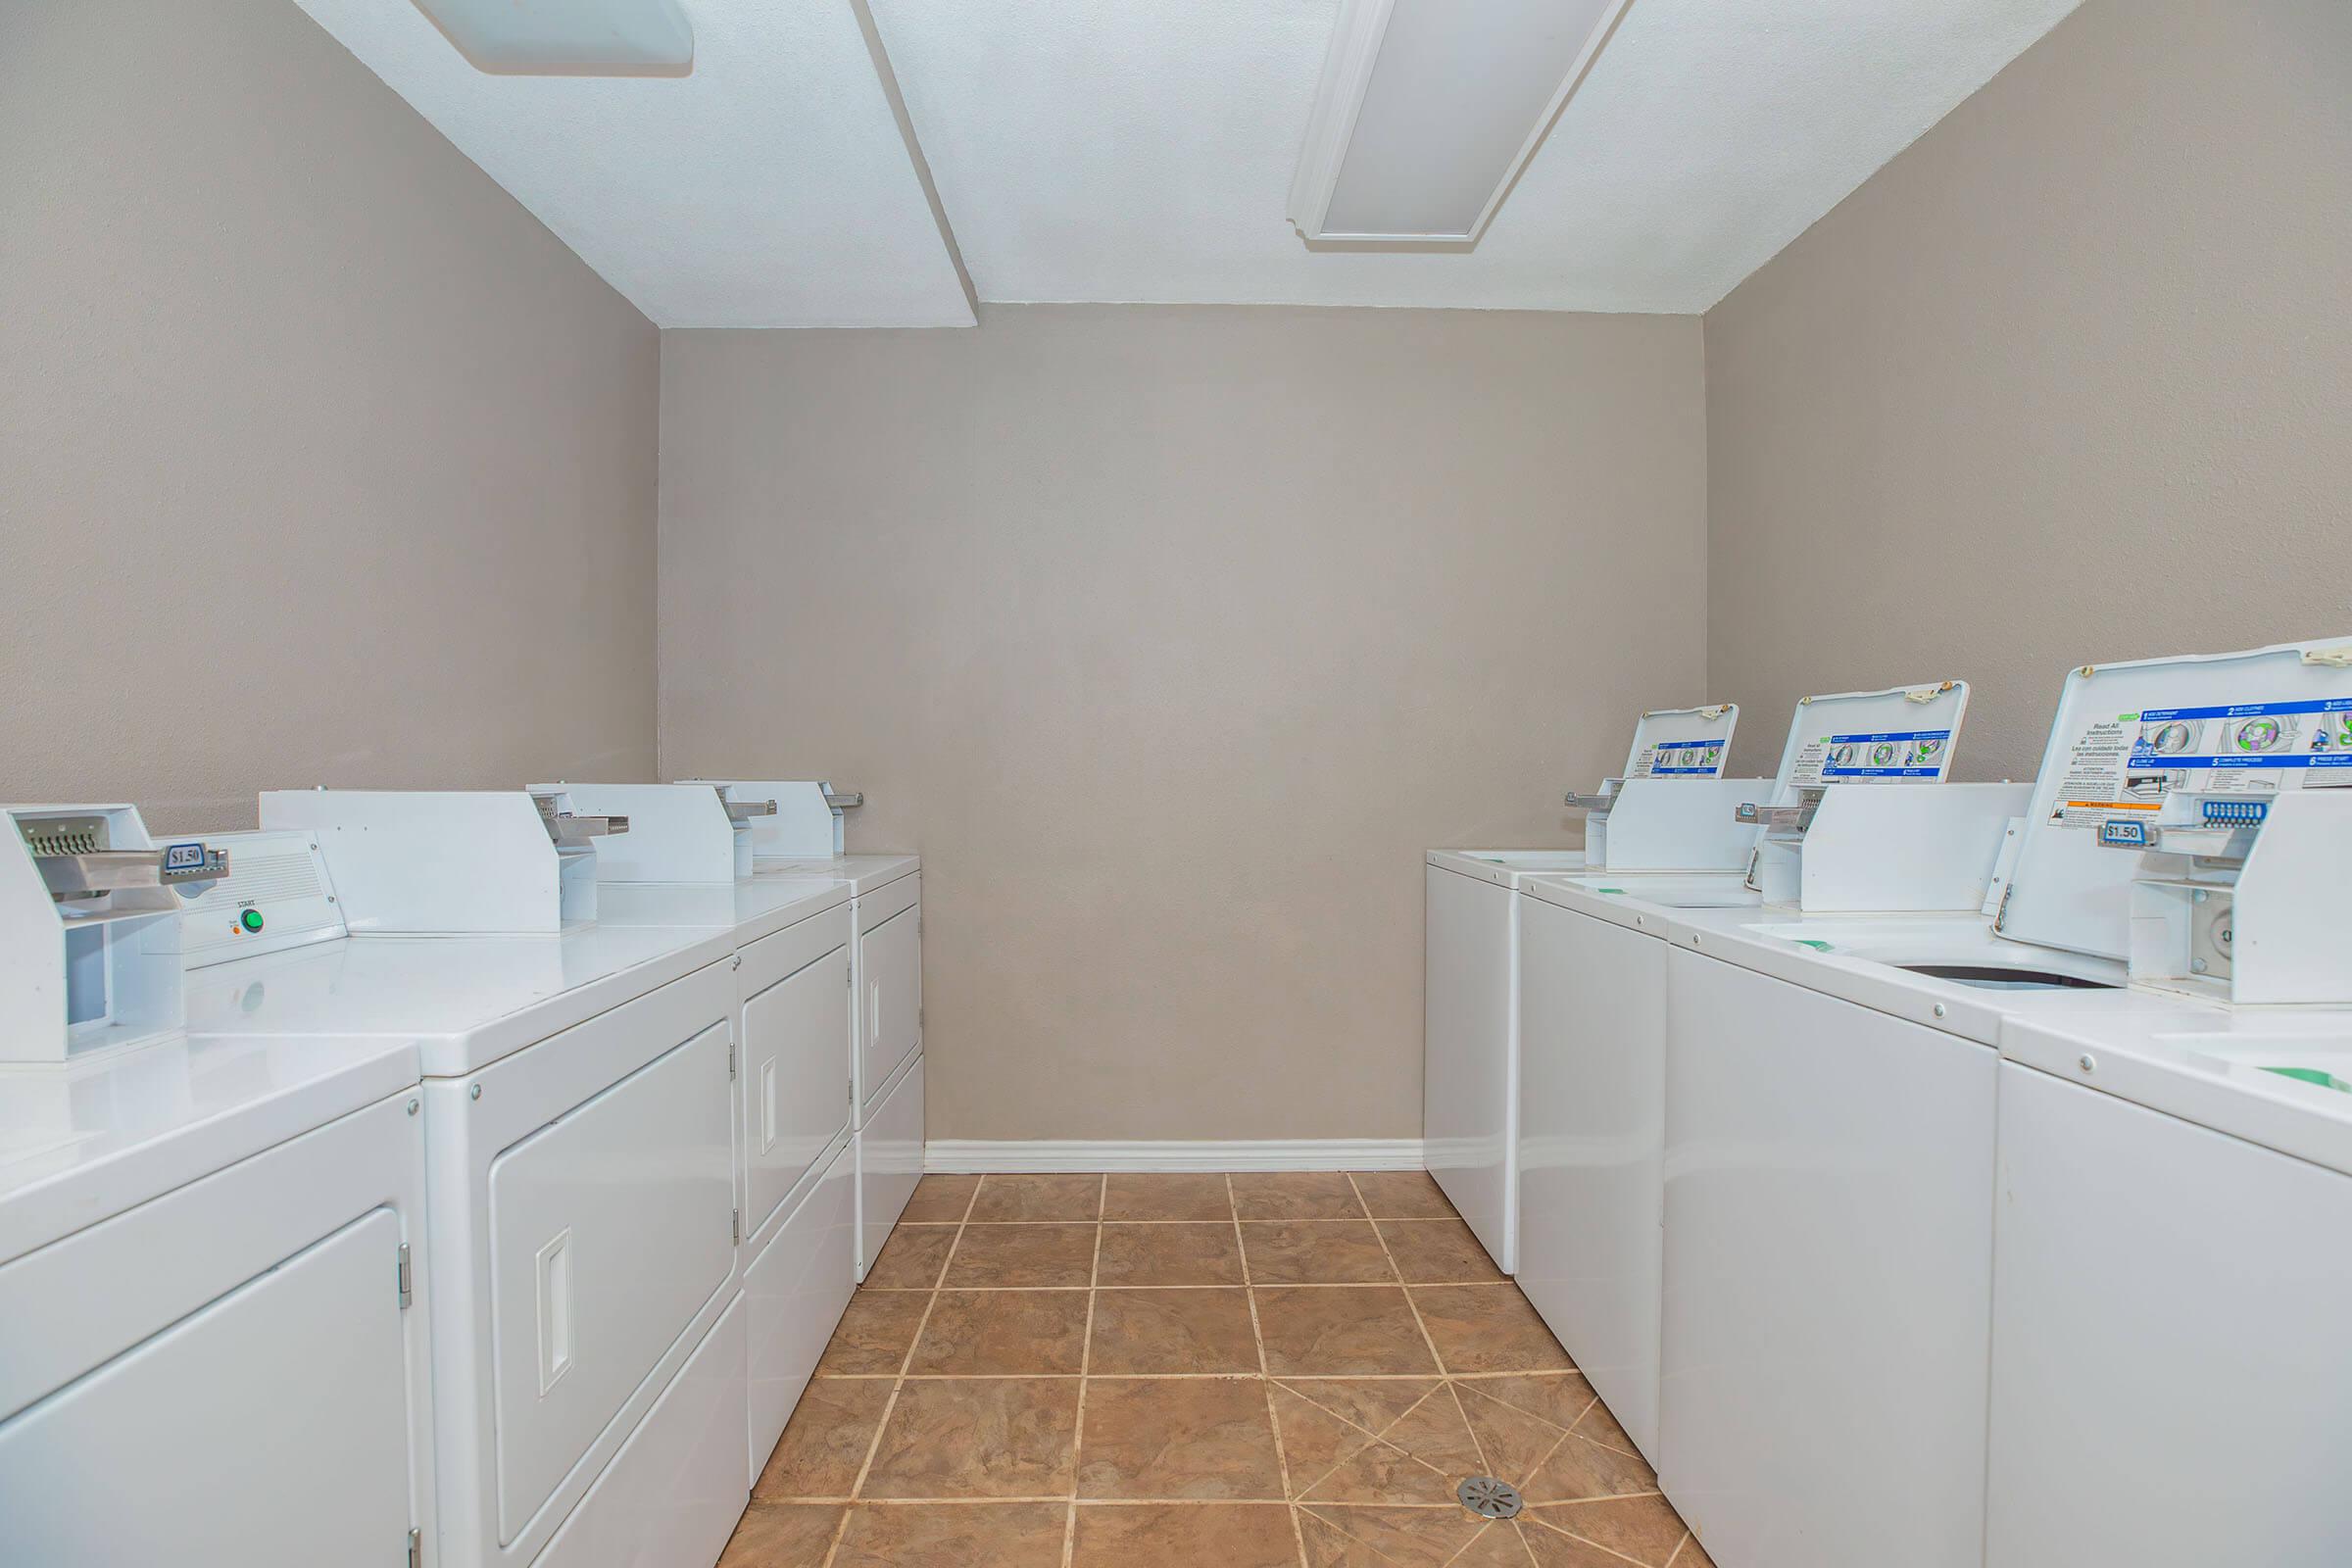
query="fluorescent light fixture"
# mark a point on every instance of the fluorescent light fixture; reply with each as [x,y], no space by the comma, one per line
[567,37]
[1429,109]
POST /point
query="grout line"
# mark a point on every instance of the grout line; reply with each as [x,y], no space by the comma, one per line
[1415,1306]
[1269,1285]
[1086,1362]
[1258,1336]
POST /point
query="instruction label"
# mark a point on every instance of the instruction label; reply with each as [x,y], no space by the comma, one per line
[1680,759]
[1891,755]
[2129,763]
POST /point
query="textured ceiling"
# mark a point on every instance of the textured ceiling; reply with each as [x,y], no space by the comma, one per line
[769,188]
[1142,150]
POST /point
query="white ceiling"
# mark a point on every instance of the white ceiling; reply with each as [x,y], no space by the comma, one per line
[1142,150]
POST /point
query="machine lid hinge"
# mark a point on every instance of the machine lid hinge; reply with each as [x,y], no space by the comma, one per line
[415,1546]
[730,1059]
[2000,912]
[407,1285]
[735,1226]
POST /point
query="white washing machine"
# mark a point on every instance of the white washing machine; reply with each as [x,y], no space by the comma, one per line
[589,1343]
[796,1172]
[1591,981]
[1470,1007]
[1831,1119]
[211,1250]
[805,838]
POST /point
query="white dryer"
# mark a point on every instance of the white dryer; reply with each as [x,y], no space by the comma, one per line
[589,1350]
[1470,1003]
[804,838]
[211,1250]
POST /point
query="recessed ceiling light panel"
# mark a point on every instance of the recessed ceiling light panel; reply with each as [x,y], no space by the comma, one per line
[567,37]
[1429,109]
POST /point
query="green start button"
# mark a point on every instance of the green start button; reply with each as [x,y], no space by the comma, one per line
[251,920]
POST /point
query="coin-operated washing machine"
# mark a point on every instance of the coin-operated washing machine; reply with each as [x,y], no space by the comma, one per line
[1855,768]
[589,1336]
[212,1278]
[688,861]
[805,838]
[2170,1282]
[1470,1018]
[1833,1092]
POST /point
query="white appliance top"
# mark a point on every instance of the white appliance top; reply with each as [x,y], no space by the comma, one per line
[754,906]
[2278,1077]
[82,1144]
[465,1001]
[1682,742]
[2128,735]
[1644,902]
[862,873]
[1507,867]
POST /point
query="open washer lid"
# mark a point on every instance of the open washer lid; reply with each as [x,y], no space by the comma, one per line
[2128,735]
[1682,742]
[1901,735]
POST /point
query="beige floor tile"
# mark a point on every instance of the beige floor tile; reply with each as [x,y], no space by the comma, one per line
[1552,1549]
[1184,1252]
[873,1336]
[1187,1331]
[1033,1197]
[1438,1252]
[1515,1444]
[1409,1538]
[1022,1256]
[940,1199]
[911,1260]
[1201,1197]
[1600,1426]
[826,1442]
[1341,1331]
[1403,1195]
[1002,1333]
[1435,1432]
[953,1534]
[1693,1556]
[1327,1547]
[1559,1398]
[1498,1546]
[1645,1528]
[1294,1194]
[1315,1252]
[978,1437]
[1378,1473]
[1216,1534]
[1580,1469]
[1486,1328]
[1314,1440]
[1371,1403]
[782,1535]
[1169,1438]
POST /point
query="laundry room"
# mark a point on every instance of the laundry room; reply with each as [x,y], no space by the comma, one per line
[1137,783]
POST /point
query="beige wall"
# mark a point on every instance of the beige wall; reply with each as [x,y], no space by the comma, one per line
[320,459]
[1171,636]
[2068,380]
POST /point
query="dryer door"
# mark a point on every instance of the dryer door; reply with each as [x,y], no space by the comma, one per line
[891,957]
[299,1375]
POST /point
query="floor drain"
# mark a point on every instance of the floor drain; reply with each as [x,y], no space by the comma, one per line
[1489,1498]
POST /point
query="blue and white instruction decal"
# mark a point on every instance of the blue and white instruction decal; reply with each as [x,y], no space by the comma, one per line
[1702,758]
[2131,763]
[1889,755]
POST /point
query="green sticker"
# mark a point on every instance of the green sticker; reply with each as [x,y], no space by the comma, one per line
[2311,1075]
[1809,942]
[1608,890]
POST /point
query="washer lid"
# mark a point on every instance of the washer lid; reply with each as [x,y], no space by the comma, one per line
[1682,742]
[2128,735]
[1902,735]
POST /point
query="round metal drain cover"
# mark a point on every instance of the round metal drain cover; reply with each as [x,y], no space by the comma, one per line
[1489,1498]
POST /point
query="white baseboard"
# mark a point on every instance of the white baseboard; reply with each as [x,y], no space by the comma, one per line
[963,1155]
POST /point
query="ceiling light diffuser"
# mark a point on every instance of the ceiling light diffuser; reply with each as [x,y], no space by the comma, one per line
[1429,109]
[567,37]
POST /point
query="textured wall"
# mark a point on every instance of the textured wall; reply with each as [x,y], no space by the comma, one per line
[320,459]
[2067,381]
[1172,637]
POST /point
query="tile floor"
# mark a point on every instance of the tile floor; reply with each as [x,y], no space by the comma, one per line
[1286,1370]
